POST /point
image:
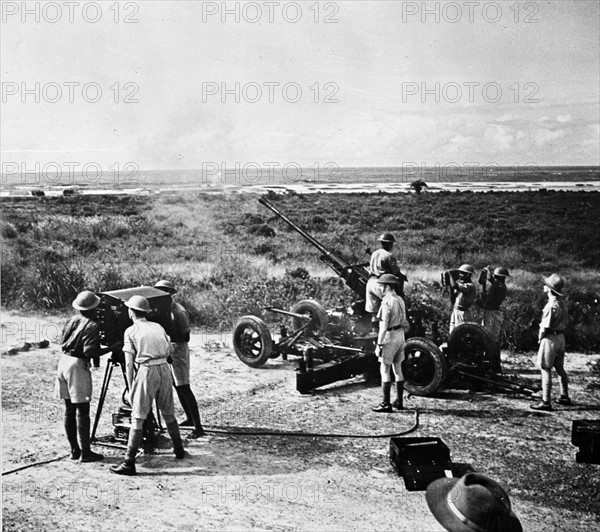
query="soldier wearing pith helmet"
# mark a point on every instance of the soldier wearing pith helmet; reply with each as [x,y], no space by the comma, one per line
[390,342]
[146,348]
[551,353]
[80,343]
[382,262]
[495,290]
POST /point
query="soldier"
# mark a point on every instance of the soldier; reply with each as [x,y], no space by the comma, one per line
[390,342]
[80,343]
[551,353]
[382,261]
[147,346]
[180,336]
[494,296]
[466,292]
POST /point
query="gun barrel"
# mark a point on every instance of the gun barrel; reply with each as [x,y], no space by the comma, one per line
[331,258]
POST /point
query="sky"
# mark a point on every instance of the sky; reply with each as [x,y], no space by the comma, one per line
[179,85]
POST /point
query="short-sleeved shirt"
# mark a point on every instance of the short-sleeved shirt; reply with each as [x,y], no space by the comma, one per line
[146,341]
[80,336]
[382,261]
[392,311]
[180,330]
[466,294]
[495,296]
[555,315]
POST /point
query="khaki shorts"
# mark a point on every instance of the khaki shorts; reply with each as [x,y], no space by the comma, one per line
[374,295]
[392,351]
[73,379]
[551,352]
[181,363]
[150,383]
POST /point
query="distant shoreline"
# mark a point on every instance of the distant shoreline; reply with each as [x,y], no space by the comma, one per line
[303,188]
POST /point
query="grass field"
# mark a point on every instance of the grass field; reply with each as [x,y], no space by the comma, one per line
[230,256]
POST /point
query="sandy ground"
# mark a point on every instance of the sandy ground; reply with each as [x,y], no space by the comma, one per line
[272,483]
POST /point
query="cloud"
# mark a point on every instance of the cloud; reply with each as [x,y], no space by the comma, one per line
[498,137]
[564,118]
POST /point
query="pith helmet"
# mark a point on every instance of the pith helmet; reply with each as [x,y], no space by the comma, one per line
[86,300]
[467,268]
[165,285]
[386,237]
[473,502]
[501,272]
[555,282]
[138,303]
[388,278]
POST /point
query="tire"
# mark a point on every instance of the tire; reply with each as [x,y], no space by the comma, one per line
[424,367]
[315,310]
[470,344]
[252,341]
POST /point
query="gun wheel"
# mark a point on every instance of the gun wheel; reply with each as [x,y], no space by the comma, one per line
[252,341]
[471,344]
[316,312]
[424,366]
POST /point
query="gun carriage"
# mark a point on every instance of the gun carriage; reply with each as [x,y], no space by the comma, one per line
[333,345]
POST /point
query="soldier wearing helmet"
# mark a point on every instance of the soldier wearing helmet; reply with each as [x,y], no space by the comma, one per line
[493,296]
[80,343]
[382,262]
[147,346]
[390,342]
[180,336]
[551,353]
[465,296]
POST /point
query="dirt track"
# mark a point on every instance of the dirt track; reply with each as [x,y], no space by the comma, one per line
[283,483]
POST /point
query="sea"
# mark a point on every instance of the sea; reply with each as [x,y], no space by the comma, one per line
[327,178]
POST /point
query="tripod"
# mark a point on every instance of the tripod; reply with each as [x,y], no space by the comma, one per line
[151,426]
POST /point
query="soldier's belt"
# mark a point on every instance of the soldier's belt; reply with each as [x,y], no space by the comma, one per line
[395,328]
[153,362]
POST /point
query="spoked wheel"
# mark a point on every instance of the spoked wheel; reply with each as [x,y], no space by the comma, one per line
[252,341]
[316,312]
[424,366]
[471,344]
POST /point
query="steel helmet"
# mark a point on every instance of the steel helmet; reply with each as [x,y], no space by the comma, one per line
[138,303]
[86,300]
[386,237]
[467,268]
[166,285]
[501,272]
[388,278]
[555,283]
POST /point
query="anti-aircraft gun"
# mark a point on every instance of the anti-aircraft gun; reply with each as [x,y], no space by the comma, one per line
[332,344]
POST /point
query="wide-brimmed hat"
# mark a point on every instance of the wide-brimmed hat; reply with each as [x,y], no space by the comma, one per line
[86,300]
[163,284]
[472,503]
[555,283]
[138,303]
[467,268]
[388,278]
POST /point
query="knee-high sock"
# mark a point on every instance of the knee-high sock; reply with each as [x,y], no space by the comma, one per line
[173,430]
[183,399]
[71,425]
[133,444]
[400,392]
[83,426]
[546,385]
[193,407]
[564,381]
[386,388]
